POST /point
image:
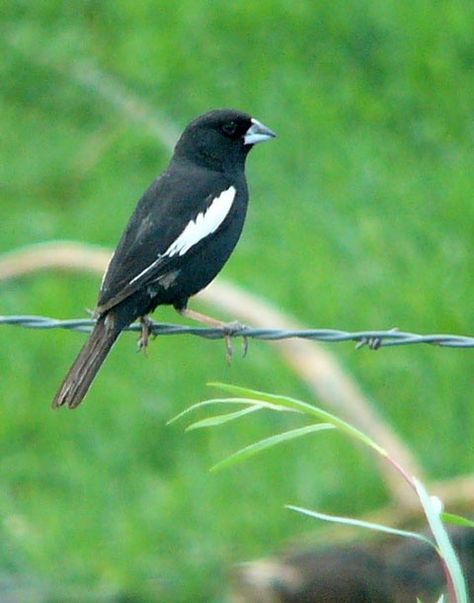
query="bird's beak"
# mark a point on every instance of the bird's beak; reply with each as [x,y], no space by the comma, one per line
[257,133]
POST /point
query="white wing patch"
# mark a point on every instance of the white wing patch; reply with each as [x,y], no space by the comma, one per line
[202,226]
[205,223]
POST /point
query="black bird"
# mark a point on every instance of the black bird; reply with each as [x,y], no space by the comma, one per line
[180,235]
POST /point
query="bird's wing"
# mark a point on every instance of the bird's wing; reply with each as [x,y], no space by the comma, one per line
[175,214]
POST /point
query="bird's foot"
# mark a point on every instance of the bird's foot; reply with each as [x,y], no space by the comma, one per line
[231,329]
[145,334]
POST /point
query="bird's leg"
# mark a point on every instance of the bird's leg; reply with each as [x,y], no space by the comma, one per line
[145,333]
[228,328]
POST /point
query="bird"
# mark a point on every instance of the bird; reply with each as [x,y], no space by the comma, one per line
[180,235]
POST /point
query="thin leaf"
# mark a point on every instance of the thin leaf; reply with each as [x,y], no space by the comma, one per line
[249,451]
[224,418]
[221,401]
[433,510]
[303,407]
[457,520]
[361,524]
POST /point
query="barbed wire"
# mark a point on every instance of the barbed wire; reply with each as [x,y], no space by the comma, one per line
[373,339]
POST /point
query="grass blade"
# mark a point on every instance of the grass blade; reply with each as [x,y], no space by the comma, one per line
[433,510]
[247,401]
[303,407]
[361,524]
[457,520]
[223,418]
[248,451]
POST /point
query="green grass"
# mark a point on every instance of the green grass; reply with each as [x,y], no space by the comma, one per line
[361,217]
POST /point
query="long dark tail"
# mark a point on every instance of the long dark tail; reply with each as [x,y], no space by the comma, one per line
[82,372]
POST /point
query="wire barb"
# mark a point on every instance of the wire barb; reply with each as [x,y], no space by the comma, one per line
[372,339]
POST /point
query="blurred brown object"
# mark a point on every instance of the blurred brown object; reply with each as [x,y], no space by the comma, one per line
[389,571]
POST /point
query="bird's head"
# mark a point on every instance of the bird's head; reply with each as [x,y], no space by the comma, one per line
[221,138]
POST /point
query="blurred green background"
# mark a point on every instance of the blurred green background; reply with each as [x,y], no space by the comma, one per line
[361,217]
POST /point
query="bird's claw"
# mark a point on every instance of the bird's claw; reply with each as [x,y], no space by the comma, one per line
[145,334]
[230,330]
[245,345]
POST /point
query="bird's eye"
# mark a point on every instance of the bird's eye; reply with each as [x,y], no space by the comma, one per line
[229,128]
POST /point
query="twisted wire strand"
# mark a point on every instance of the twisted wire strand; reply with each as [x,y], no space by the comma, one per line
[373,339]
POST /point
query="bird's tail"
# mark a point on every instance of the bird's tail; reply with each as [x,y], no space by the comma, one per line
[85,367]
